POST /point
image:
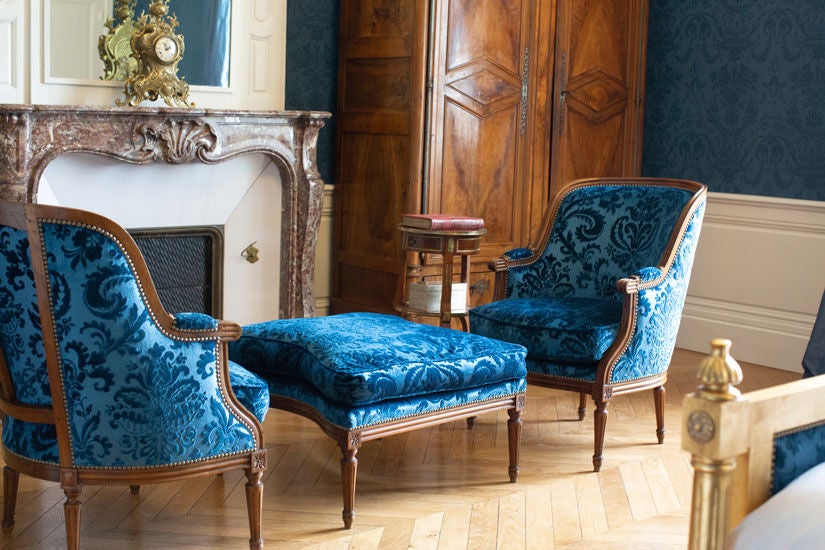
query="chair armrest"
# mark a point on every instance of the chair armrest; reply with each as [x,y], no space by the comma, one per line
[645,278]
[206,326]
[502,264]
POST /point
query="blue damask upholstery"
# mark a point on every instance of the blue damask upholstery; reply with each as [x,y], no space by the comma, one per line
[795,452]
[354,360]
[598,300]
[134,395]
[99,384]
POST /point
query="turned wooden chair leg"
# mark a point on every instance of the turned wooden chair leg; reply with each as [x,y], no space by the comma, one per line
[71,511]
[582,405]
[600,422]
[514,442]
[11,479]
[659,404]
[349,468]
[255,507]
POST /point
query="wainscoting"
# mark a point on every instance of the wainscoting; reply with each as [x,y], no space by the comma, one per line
[758,278]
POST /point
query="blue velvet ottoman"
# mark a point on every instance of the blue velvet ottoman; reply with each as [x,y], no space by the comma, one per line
[363,376]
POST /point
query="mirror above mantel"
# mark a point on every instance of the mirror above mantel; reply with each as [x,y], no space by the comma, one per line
[251,71]
[73,27]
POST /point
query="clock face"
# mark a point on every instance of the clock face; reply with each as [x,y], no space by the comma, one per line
[166,48]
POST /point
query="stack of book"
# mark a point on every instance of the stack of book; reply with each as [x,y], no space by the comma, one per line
[427,297]
[441,222]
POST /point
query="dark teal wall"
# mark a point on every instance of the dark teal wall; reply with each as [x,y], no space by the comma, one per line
[735,92]
[735,95]
[312,68]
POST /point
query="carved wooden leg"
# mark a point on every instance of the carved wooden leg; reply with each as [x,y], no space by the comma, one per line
[349,468]
[659,404]
[255,507]
[11,479]
[514,441]
[600,422]
[582,405]
[71,511]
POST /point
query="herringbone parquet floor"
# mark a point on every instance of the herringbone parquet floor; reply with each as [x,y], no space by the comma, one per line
[439,488]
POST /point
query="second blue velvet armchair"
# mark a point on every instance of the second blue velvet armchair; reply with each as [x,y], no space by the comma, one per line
[598,299]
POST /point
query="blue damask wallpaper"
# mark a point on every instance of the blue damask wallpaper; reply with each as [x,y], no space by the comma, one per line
[735,95]
[312,69]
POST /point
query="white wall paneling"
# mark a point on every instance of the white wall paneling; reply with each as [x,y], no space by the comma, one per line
[13,51]
[758,278]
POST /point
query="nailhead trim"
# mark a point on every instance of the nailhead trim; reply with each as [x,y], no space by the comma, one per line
[221,388]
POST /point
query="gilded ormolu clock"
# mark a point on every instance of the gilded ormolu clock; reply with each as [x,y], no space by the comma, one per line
[158,50]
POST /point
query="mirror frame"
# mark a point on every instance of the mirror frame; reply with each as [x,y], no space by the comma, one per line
[257,64]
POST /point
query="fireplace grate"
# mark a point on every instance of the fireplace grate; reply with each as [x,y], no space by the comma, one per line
[186,264]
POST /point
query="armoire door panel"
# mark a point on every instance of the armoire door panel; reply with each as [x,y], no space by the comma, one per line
[599,37]
[580,133]
[482,87]
[485,30]
[477,165]
[479,168]
[374,189]
[377,18]
[598,77]
[377,84]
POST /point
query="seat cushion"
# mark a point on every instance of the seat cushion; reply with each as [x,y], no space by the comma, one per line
[356,359]
[565,329]
[251,391]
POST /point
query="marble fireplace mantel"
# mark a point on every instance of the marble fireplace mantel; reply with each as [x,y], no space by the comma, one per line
[31,136]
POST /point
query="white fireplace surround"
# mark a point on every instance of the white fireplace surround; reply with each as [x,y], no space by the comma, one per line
[241,195]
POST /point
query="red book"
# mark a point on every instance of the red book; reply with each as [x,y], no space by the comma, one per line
[441,221]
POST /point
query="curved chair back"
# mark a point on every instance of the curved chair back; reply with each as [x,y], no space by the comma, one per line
[598,231]
[97,382]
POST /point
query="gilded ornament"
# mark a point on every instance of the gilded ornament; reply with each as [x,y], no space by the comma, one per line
[115,46]
[158,50]
[700,426]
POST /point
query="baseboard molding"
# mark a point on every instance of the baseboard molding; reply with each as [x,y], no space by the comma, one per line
[758,278]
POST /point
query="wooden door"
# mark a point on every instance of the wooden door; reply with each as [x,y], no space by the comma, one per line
[480,117]
[382,60]
[599,83]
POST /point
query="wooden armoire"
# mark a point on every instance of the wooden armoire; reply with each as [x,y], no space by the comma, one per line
[474,107]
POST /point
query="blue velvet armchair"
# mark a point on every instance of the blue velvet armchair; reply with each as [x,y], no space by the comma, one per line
[598,299]
[98,384]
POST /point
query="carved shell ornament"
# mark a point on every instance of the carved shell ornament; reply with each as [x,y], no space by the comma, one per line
[177,142]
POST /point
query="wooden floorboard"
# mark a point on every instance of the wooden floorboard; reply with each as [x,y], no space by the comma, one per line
[442,488]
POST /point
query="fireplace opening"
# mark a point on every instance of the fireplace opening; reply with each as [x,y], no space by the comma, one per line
[186,265]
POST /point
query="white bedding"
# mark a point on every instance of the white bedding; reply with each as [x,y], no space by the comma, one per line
[794,518]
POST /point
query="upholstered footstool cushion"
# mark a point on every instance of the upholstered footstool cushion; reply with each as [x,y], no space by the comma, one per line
[363,376]
[363,368]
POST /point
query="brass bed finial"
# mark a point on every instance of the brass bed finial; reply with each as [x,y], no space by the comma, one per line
[719,373]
